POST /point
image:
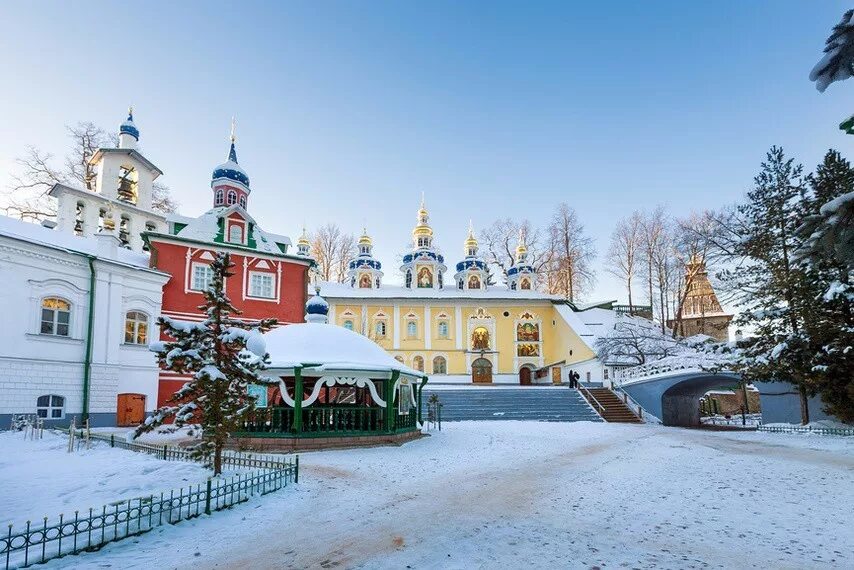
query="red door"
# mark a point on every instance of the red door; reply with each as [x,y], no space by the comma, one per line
[130,410]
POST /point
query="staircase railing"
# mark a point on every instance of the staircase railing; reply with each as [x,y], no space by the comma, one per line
[638,409]
[591,399]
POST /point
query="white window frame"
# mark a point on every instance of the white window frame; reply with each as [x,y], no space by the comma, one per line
[380,328]
[447,334]
[51,407]
[259,274]
[136,322]
[348,324]
[218,197]
[193,267]
[404,399]
[433,364]
[55,319]
[411,325]
[231,229]
[231,198]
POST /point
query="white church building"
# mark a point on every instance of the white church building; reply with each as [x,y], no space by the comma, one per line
[80,301]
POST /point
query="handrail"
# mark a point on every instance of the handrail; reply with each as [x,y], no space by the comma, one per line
[588,395]
[640,412]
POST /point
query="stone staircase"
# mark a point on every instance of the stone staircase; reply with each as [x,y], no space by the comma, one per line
[545,404]
[616,411]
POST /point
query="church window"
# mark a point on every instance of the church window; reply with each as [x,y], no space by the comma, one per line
[412,329]
[605,373]
[242,202]
[472,252]
[418,363]
[525,284]
[380,329]
[102,215]
[232,198]
[348,324]
[261,285]
[55,317]
[440,280]
[440,365]
[474,282]
[218,197]
[460,284]
[513,286]
[443,329]
[480,339]
[364,249]
[202,277]
[235,233]
[50,407]
[136,328]
[408,278]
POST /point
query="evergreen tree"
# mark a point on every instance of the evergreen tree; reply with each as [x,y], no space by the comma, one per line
[768,283]
[837,64]
[829,265]
[224,355]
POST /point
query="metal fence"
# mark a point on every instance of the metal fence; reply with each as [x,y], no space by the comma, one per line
[41,541]
[806,429]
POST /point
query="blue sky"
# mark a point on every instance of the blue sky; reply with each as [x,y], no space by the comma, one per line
[347,111]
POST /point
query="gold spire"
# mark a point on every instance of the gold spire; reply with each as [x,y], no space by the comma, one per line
[422,228]
[522,247]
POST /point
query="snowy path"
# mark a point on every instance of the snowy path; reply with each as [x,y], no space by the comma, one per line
[519,494]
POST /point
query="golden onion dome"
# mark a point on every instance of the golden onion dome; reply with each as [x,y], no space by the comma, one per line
[365,239]
[471,241]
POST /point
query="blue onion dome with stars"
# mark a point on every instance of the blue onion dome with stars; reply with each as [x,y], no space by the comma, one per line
[128,127]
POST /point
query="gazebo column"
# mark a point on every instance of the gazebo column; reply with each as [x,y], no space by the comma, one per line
[298,392]
[421,391]
[389,400]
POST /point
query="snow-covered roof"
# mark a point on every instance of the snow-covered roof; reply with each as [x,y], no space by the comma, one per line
[345,291]
[328,348]
[205,228]
[34,233]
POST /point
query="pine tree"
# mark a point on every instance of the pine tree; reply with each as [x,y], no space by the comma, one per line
[224,355]
[837,64]
[830,321]
[774,290]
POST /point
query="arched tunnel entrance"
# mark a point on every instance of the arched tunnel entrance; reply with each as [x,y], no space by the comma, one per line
[680,402]
[675,398]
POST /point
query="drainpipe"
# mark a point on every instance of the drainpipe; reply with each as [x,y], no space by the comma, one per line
[87,362]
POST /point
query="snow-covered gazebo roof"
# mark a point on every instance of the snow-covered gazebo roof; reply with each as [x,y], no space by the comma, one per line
[323,349]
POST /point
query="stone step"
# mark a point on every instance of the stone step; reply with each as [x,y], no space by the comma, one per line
[556,405]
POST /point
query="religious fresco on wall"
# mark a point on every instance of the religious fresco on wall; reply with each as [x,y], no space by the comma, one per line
[527,332]
[480,339]
[425,278]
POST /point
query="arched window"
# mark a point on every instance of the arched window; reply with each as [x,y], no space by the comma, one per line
[348,324]
[513,286]
[50,407]
[408,278]
[232,198]
[461,284]
[235,233]
[78,219]
[136,328]
[480,339]
[440,365]
[218,197]
[411,329]
[243,202]
[418,363]
[56,316]
[379,328]
[474,282]
[443,329]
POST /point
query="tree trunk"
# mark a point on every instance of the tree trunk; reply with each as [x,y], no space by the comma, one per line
[805,411]
[629,287]
[217,458]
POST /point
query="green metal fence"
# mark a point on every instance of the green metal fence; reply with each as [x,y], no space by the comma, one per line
[40,541]
[806,429]
[326,421]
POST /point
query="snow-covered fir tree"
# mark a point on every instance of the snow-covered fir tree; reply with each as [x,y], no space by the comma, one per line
[775,293]
[224,355]
[827,257]
[837,64]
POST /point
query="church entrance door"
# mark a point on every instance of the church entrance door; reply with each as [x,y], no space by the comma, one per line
[481,371]
[525,376]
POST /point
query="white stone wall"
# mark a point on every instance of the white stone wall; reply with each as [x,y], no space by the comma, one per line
[33,364]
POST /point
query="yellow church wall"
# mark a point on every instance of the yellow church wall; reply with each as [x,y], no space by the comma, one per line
[557,338]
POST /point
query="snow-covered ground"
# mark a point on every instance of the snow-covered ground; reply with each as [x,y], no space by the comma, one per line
[535,495]
[40,478]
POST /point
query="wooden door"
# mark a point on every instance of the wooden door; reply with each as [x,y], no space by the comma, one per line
[130,410]
[481,371]
[556,375]
[525,376]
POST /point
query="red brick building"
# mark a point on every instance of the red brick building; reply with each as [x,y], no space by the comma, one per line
[270,280]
